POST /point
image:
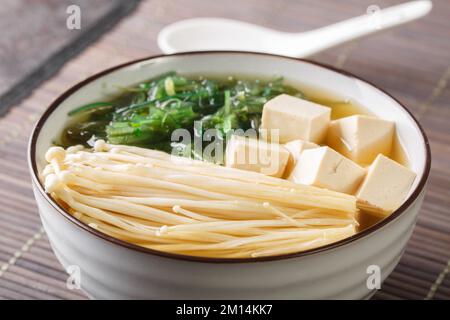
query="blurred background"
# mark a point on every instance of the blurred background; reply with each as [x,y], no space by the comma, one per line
[40,57]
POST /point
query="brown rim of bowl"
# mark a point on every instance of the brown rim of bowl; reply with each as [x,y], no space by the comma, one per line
[357,236]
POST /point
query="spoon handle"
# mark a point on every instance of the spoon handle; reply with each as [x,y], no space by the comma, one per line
[374,21]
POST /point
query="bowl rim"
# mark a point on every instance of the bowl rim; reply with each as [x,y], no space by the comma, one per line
[358,236]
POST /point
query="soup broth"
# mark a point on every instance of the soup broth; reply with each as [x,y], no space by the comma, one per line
[145,115]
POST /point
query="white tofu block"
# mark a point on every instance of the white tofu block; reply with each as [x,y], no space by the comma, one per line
[295,118]
[295,148]
[323,167]
[387,184]
[256,155]
[361,138]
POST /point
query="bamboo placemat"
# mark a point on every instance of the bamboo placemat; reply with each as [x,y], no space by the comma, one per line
[411,62]
[38,42]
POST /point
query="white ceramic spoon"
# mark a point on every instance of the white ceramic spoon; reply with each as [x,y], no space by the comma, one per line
[225,34]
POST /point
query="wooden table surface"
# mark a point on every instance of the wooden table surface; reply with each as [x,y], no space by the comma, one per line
[411,62]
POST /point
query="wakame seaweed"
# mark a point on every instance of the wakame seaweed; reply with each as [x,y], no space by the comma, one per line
[146,115]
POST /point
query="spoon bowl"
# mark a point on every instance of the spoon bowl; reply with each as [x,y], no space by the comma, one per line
[216,34]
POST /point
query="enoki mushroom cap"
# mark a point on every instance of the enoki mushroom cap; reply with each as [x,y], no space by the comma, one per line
[100,145]
[48,170]
[57,153]
[74,149]
[52,182]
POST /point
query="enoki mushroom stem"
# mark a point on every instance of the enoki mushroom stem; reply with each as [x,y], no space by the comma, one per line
[185,206]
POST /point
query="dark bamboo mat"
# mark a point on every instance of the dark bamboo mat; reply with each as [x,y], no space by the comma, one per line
[38,42]
[411,62]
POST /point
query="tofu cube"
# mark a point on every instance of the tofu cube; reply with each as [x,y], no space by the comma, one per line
[361,138]
[256,155]
[295,118]
[323,167]
[295,149]
[387,184]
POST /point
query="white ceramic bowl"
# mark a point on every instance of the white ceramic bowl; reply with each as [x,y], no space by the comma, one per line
[111,268]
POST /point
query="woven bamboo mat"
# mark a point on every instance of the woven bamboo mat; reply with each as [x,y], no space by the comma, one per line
[411,62]
[38,42]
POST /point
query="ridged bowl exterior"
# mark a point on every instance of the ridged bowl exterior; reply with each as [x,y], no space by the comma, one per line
[109,271]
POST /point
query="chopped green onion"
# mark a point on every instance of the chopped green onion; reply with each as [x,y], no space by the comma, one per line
[148,113]
[169,86]
[227,104]
[89,107]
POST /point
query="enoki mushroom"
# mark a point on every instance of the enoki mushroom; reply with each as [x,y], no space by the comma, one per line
[179,205]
